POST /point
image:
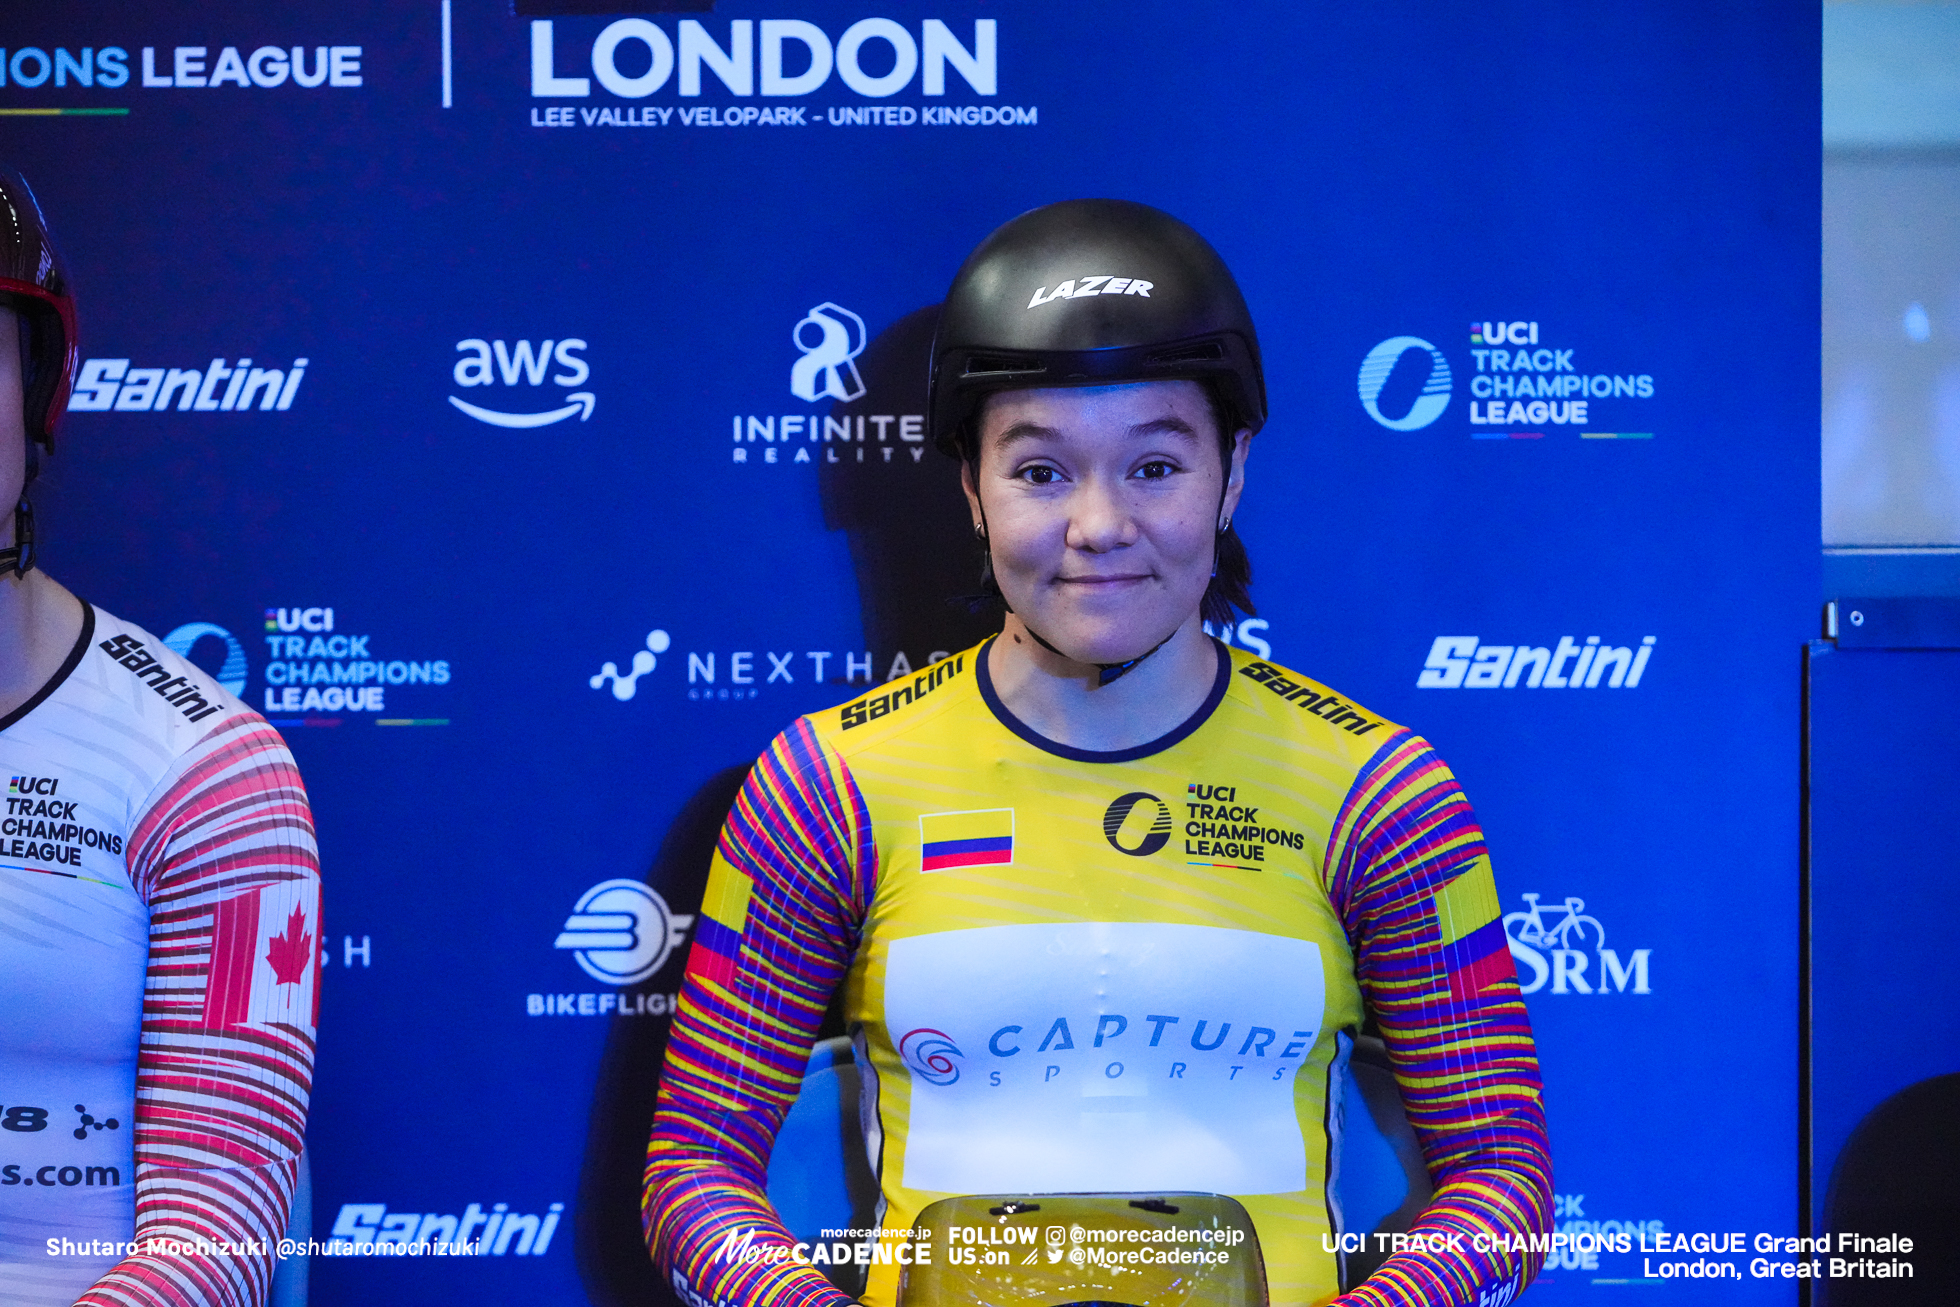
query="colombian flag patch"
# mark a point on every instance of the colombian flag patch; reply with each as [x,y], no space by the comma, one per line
[1475,952]
[718,930]
[966,839]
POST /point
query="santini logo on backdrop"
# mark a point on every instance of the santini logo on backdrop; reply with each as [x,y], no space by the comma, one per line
[523,363]
[1463,662]
[220,388]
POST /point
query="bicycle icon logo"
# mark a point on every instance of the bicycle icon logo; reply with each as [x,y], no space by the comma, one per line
[1574,931]
[1556,944]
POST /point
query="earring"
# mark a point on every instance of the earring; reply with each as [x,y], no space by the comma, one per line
[1225,525]
[980,532]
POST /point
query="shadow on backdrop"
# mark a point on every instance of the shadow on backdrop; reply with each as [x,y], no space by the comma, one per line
[914,557]
[1896,1175]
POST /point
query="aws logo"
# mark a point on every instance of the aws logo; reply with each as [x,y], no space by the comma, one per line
[488,362]
[1142,819]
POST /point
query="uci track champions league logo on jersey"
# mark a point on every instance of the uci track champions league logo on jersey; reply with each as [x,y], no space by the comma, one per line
[1521,388]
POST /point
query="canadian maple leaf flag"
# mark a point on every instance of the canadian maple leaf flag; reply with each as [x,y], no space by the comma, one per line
[265,959]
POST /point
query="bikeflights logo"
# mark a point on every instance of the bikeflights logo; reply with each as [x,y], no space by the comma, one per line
[621,932]
[1558,944]
[220,387]
[523,366]
[1525,383]
[1463,662]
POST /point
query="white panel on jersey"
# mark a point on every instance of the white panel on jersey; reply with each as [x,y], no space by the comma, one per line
[1103,1057]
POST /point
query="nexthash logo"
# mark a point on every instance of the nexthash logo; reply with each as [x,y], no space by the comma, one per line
[486,362]
[1464,662]
[112,384]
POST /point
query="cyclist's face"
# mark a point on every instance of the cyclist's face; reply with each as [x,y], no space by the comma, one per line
[1102,505]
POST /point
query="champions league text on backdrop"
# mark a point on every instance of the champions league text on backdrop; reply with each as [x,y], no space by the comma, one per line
[524,409]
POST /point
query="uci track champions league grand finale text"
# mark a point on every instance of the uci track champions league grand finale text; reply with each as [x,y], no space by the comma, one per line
[523,408]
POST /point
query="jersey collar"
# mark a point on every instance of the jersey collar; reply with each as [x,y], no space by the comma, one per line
[1176,735]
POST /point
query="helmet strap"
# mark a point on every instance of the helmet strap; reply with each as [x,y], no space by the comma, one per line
[20,555]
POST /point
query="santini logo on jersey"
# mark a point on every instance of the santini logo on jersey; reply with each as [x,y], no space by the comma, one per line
[1076,288]
[1326,706]
[180,692]
[865,710]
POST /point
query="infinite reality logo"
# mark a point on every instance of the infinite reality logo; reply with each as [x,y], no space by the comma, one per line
[1381,361]
[826,369]
[232,672]
[1118,813]
[485,361]
[621,932]
[644,661]
[930,1053]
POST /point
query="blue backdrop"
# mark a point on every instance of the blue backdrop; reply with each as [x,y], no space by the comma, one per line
[540,277]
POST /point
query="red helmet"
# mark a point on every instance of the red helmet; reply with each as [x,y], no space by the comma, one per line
[35,285]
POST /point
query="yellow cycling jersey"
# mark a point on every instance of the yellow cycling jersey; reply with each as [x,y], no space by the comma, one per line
[1070,971]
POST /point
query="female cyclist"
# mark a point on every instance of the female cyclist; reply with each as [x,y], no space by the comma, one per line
[1107,899]
[159,912]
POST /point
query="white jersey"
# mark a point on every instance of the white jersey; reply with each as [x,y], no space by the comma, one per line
[159,968]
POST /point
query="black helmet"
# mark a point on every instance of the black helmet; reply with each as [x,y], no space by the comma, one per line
[34,284]
[1086,292]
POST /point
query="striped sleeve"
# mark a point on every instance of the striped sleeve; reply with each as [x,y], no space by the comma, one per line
[785,905]
[223,855]
[1409,873]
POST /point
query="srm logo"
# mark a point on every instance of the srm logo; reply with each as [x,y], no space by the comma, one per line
[621,932]
[528,364]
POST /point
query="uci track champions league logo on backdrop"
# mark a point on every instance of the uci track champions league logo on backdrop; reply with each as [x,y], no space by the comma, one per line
[1520,388]
[783,61]
[319,676]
